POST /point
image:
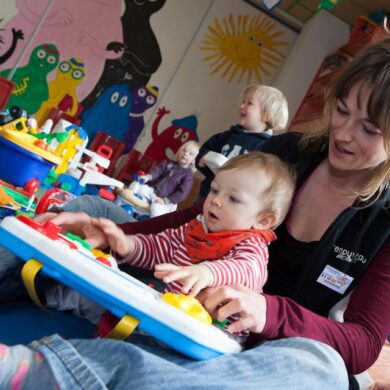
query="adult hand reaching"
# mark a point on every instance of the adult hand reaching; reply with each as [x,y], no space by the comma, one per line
[82,225]
[223,302]
[115,237]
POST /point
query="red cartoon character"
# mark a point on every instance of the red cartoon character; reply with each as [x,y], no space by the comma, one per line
[165,145]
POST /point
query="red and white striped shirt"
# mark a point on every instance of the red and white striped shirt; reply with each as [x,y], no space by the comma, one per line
[245,263]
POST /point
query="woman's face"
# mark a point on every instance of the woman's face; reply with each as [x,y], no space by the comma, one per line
[355,143]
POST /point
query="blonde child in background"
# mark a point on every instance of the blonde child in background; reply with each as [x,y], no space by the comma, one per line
[262,110]
[227,243]
[169,182]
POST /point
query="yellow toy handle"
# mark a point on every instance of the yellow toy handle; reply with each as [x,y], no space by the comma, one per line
[29,272]
[124,328]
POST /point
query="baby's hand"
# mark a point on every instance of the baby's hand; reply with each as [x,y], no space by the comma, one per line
[118,241]
[159,200]
[202,163]
[194,277]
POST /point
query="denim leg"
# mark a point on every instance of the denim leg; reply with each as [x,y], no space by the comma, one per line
[63,298]
[10,281]
[11,285]
[23,368]
[294,363]
[99,208]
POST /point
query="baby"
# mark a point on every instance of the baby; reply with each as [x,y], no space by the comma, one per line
[169,182]
[227,244]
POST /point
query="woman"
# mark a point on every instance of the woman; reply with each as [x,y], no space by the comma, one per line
[334,243]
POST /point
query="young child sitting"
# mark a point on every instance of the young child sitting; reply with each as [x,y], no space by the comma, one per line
[227,244]
[169,182]
[262,110]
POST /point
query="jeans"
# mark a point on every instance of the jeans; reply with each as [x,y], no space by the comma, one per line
[294,363]
[99,208]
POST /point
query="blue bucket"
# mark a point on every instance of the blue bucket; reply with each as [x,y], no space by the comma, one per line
[19,165]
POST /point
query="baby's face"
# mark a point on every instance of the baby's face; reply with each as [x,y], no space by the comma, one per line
[187,156]
[235,200]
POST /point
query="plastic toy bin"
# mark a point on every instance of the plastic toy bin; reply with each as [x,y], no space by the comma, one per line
[18,165]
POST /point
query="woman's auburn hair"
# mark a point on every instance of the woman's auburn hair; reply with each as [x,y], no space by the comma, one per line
[371,68]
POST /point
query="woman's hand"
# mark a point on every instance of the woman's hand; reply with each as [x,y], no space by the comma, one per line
[115,237]
[80,224]
[380,386]
[223,302]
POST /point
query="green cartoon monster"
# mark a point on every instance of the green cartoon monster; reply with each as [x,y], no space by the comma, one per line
[31,87]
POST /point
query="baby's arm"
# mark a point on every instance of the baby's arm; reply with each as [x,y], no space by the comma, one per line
[245,264]
[194,278]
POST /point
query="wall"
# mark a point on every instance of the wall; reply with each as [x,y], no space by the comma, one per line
[323,34]
[193,90]
[185,33]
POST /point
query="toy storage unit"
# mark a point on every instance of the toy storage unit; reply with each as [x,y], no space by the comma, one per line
[21,160]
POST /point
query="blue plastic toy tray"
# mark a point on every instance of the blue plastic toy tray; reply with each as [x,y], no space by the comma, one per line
[71,264]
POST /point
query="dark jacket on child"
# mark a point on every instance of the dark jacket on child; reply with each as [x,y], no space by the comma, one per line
[230,143]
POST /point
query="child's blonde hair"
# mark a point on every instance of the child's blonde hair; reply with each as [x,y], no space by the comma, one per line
[278,196]
[273,105]
[192,145]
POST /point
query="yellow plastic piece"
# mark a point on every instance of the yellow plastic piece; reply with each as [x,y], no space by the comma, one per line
[19,124]
[4,198]
[67,150]
[26,141]
[29,272]
[124,328]
[189,305]
[64,84]
[98,253]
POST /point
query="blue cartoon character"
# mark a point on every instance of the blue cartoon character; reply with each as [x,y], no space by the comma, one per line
[143,98]
[31,87]
[165,145]
[110,113]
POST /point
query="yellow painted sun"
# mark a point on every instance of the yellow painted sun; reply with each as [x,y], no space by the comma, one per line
[243,48]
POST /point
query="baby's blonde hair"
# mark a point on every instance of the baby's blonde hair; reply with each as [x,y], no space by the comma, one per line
[273,105]
[277,197]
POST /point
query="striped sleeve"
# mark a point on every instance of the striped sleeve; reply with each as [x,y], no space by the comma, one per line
[245,264]
[152,249]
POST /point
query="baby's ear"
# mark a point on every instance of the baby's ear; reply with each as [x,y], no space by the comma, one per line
[265,220]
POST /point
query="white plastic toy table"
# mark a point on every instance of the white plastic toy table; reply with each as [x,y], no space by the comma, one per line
[68,262]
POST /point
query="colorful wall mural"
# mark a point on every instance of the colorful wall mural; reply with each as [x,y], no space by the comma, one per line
[119,64]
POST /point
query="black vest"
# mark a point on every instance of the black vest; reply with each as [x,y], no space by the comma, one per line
[349,244]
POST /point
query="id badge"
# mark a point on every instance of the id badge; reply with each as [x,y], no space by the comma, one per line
[334,279]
